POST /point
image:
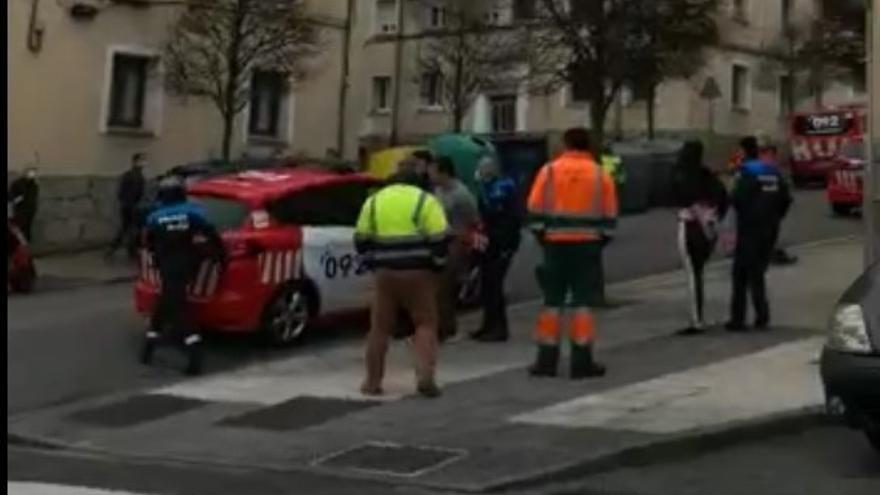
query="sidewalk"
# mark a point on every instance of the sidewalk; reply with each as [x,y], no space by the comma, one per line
[494,427]
[84,268]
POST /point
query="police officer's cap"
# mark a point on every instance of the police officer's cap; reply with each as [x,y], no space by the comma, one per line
[171,189]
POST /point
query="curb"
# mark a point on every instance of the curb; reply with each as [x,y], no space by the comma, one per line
[551,480]
[670,449]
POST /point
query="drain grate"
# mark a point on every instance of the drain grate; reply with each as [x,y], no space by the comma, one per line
[393,459]
[135,410]
[297,413]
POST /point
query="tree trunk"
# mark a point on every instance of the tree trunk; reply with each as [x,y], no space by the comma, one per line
[598,117]
[228,123]
[652,111]
[234,70]
[458,110]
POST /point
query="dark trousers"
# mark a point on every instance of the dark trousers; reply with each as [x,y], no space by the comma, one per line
[695,249]
[25,222]
[170,318]
[126,234]
[751,259]
[494,267]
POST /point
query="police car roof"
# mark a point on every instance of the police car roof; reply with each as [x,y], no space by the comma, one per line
[258,187]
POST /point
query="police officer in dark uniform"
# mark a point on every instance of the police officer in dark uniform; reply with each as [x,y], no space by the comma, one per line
[171,233]
[761,198]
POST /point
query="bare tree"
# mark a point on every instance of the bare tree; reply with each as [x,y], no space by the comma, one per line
[602,45]
[215,46]
[678,32]
[471,55]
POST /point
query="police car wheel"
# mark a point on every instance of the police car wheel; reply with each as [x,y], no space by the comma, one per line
[288,316]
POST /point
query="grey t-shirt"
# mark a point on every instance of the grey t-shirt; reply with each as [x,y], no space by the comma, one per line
[459,205]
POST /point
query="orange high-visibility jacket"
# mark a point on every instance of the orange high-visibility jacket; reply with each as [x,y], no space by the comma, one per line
[573,200]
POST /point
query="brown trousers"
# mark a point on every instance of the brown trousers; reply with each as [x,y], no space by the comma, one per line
[414,292]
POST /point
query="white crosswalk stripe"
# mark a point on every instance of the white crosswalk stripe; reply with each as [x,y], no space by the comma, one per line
[701,397]
[338,373]
[33,488]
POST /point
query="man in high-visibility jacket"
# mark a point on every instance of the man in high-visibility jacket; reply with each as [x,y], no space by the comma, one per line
[572,210]
[402,232]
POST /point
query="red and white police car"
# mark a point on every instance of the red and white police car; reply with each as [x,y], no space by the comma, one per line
[289,234]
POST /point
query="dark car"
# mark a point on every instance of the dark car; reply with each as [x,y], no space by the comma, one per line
[851,357]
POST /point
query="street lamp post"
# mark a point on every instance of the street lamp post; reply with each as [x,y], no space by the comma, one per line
[872,168]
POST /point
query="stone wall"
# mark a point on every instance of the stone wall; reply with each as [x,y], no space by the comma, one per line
[75,213]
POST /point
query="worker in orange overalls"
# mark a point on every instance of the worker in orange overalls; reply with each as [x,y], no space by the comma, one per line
[572,211]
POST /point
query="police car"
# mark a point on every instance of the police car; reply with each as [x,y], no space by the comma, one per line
[289,236]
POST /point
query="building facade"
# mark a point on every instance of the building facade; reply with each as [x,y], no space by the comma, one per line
[86,91]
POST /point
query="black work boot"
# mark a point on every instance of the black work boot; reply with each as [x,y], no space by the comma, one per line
[149,347]
[546,362]
[582,363]
[194,359]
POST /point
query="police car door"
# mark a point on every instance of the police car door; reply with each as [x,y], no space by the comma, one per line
[330,260]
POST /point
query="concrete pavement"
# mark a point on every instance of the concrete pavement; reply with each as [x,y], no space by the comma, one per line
[494,427]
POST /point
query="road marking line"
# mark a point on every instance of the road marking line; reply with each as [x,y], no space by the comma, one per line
[774,380]
[31,488]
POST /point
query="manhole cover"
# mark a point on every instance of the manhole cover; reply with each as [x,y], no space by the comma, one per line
[135,410]
[297,413]
[393,459]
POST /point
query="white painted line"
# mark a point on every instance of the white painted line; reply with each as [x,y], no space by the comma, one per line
[29,488]
[339,372]
[455,455]
[774,380]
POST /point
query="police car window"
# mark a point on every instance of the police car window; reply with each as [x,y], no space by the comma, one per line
[223,213]
[338,204]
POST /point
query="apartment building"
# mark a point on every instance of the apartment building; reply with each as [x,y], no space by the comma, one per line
[85,92]
[747,68]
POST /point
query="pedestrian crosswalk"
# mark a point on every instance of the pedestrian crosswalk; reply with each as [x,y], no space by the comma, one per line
[778,379]
[338,373]
[35,488]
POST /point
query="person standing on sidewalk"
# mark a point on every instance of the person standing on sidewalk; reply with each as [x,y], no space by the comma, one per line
[572,209]
[402,233]
[130,194]
[24,193]
[462,214]
[761,198]
[703,202]
[171,231]
[500,213]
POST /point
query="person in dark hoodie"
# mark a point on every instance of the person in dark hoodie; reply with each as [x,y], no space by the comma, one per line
[703,203]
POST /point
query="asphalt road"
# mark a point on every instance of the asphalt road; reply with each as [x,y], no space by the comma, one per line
[69,344]
[825,460]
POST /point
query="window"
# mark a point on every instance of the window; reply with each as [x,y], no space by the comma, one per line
[386,17]
[786,14]
[267,95]
[381,93]
[225,214]
[128,91]
[431,91]
[503,108]
[741,10]
[524,10]
[436,16]
[580,91]
[337,204]
[498,13]
[786,95]
[740,87]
